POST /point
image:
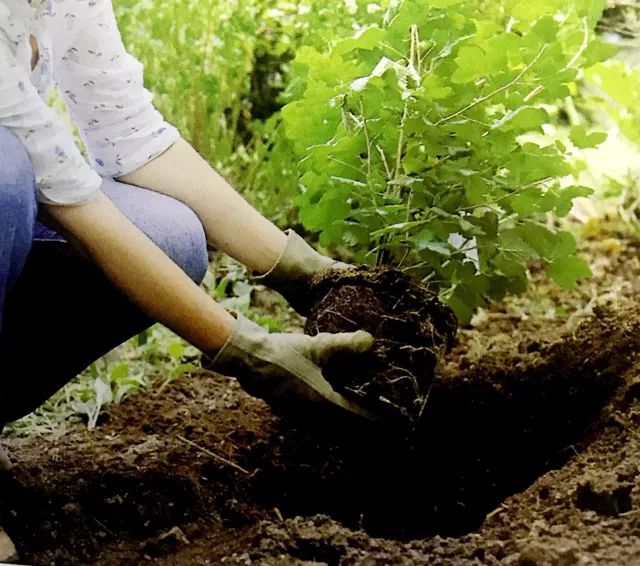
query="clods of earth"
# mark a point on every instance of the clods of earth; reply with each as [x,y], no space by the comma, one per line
[528,454]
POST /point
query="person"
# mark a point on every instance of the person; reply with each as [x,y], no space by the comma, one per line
[94,250]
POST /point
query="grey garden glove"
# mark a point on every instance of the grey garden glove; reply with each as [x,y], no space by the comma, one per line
[5,462]
[8,554]
[292,274]
[286,369]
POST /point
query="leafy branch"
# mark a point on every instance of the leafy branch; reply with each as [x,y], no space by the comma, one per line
[496,92]
[463,201]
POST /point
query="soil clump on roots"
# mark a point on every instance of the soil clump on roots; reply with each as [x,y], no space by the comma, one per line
[413,331]
[530,455]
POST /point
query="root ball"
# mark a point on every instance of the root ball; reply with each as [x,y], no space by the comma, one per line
[413,330]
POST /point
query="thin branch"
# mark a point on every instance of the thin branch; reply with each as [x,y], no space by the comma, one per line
[366,137]
[500,90]
[515,192]
[403,122]
[369,143]
[535,92]
[384,161]
[583,47]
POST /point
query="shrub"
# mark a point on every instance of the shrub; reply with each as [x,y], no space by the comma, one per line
[412,141]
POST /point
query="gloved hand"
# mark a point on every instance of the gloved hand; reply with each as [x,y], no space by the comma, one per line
[5,462]
[286,369]
[292,273]
[8,553]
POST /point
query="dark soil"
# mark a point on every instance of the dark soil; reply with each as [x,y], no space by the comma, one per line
[413,331]
[529,455]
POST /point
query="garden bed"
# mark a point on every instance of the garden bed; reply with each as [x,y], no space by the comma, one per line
[529,455]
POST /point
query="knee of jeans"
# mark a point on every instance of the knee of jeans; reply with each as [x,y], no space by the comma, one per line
[17,180]
[185,242]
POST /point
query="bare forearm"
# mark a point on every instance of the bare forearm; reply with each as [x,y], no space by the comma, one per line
[145,274]
[231,223]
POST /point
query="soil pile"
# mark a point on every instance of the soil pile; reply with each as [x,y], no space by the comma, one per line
[531,456]
[413,331]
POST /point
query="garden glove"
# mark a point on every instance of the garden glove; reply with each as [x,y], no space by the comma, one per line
[5,462]
[295,268]
[286,369]
[8,554]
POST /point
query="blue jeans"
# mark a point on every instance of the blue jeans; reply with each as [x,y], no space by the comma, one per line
[58,313]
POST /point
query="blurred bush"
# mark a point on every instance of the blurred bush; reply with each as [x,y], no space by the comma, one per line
[220,70]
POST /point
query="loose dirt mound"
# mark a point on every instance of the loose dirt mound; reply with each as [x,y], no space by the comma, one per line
[203,474]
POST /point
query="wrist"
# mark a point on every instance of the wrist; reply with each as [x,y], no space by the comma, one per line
[222,334]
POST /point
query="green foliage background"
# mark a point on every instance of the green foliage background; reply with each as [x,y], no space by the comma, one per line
[395,132]
[219,70]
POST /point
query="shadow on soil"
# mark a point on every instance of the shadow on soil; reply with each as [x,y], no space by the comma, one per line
[489,431]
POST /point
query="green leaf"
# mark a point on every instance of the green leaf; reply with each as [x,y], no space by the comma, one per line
[567,196]
[537,236]
[324,213]
[547,28]
[564,245]
[444,3]
[143,338]
[525,118]
[462,306]
[599,51]
[427,240]
[176,350]
[527,202]
[582,140]
[618,80]
[368,38]
[221,288]
[434,89]
[568,271]
[119,372]
[182,369]
[470,64]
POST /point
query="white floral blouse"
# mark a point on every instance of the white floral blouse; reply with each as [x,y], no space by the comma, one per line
[81,51]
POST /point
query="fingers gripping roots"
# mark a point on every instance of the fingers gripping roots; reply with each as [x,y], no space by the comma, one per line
[412,329]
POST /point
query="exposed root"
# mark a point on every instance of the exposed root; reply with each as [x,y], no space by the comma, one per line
[413,331]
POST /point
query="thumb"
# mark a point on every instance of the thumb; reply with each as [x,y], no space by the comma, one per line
[340,266]
[326,345]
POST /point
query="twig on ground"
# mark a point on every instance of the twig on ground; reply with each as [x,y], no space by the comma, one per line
[496,511]
[213,455]
[103,526]
[340,315]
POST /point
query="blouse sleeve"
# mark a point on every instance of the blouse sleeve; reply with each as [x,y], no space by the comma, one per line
[62,174]
[103,88]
